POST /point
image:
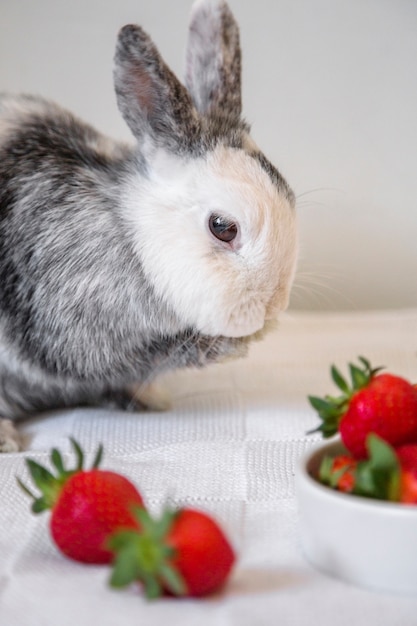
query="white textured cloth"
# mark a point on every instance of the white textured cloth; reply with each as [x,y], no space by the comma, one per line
[229,445]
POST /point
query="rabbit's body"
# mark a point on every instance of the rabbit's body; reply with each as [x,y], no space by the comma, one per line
[118,263]
[103,327]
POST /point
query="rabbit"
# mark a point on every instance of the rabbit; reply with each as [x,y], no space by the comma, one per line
[121,262]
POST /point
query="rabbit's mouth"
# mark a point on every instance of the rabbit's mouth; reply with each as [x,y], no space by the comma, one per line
[252,313]
[240,321]
[245,319]
[251,317]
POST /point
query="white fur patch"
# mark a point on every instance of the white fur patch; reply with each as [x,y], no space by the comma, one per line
[217,288]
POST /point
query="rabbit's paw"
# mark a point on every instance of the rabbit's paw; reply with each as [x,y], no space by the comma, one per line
[10,438]
[136,398]
[220,349]
[151,396]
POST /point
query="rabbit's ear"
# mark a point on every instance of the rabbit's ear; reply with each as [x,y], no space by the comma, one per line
[151,99]
[213,59]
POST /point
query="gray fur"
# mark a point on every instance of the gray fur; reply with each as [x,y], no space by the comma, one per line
[213,73]
[150,98]
[79,321]
[78,317]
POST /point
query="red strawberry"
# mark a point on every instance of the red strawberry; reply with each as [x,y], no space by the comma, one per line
[338,472]
[378,476]
[390,473]
[387,474]
[184,553]
[87,505]
[407,456]
[408,488]
[380,403]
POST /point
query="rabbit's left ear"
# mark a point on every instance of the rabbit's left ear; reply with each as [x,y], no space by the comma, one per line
[151,99]
[213,59]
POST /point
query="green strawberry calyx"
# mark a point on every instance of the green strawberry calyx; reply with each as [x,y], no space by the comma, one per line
[50,485]
[145,556]
[378,476]
[328,475]
[331,409]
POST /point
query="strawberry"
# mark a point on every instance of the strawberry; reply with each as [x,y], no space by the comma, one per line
[377,476]
[408,488]
[184,553]
[407,456]
[383,404]
[390,473]
[87,505]
[338,472]
[387,474]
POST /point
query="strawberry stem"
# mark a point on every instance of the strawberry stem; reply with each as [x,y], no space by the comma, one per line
[331,409]
[376,477]
[339,380]
[327,475]
[78,453]
[379,475]
[144,555]
[57,461]
[98,457]
[49,484]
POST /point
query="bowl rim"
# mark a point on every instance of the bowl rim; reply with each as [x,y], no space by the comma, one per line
[305,478]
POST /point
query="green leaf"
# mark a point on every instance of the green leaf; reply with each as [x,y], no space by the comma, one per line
[319,404]
[57,461]
[326,474]
[366,363]
[365,481]
[330,425]
[163,525]
[382,455]
[143,554]
[359,378]
[339,380]
[120,539]
[125,570]
[98,457]
[151,586]
[173,580]
[379,475]
[78,453]
[370,371]
[48,485]
[40,475]
[336,476]
[143,518]
[325,470]
[325,429]
[40,505]
[26,489]
[328,407]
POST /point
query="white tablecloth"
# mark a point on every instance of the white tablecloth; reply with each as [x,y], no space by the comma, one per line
[229,445]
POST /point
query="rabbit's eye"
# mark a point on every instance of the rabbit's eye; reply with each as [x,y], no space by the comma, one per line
[222,228]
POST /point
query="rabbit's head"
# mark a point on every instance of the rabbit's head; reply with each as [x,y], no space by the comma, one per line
[213,221]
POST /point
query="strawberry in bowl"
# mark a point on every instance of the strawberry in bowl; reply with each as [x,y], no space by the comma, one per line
[357,494]
[372,402]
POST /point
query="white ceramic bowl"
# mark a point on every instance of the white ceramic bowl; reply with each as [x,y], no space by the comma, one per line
[366,542]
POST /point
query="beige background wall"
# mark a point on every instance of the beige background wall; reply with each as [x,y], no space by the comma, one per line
[330,88]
